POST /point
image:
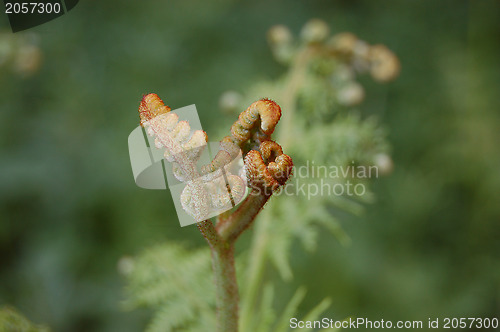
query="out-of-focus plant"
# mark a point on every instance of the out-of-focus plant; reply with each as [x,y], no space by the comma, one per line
[20,52]
[320,127]
[12,321]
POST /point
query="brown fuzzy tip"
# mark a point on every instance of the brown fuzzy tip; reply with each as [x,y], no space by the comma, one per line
[270,114]
[269,168]
[150,107]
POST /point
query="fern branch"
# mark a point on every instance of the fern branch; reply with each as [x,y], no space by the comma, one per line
[231,227]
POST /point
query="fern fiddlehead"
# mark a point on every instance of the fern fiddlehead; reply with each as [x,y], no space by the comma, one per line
[266,167]
[320,83]
[256,124]
[183,148]
[269,168]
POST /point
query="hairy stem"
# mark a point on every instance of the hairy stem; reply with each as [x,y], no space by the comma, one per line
[226,287]
[231,227]
[208,231]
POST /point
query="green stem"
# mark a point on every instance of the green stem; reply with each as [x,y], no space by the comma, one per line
[221,241]
[229,229]
[226,286]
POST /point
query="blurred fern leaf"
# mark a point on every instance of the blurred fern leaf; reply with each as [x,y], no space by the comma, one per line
[178,283]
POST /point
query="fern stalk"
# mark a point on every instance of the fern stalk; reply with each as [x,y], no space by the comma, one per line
[221,241]
[226,287]
[231,227]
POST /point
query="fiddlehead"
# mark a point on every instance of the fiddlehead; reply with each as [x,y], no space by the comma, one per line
[382,64]
[181,147]
[213,187]
[256,124]
[251,131]
[175,136]
[269,168]
[209,189]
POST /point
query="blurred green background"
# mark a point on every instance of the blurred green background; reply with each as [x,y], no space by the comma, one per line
[69,208]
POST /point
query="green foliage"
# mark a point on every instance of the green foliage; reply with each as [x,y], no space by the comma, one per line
[347,139]
[343,143]
[178,283]
[12,321]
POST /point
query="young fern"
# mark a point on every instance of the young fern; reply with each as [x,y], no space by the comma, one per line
[320,125]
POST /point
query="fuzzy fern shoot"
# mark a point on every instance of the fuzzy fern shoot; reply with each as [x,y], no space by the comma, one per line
[320,131]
